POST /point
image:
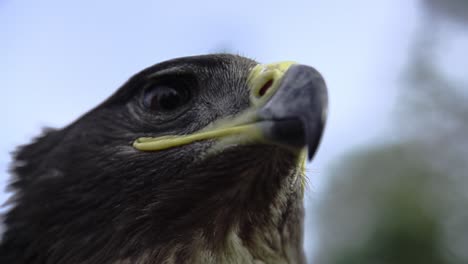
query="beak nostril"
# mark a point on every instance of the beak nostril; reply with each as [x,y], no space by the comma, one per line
[265,88]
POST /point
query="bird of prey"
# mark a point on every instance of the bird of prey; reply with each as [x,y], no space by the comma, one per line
[193,160]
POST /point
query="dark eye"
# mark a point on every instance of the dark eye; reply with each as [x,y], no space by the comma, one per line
[165,98]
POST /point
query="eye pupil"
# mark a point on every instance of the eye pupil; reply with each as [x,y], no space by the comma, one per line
[164,98]
[168,99]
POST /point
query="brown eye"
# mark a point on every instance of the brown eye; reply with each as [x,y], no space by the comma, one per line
[165,98]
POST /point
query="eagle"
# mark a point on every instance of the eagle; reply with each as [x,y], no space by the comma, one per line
[193,160]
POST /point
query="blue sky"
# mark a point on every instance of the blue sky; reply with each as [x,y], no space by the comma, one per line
[61,58]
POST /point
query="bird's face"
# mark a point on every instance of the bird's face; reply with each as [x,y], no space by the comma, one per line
[184,144]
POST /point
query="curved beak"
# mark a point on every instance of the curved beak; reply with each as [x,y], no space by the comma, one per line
[295,114]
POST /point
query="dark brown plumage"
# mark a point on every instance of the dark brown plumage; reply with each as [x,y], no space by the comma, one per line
[84,194]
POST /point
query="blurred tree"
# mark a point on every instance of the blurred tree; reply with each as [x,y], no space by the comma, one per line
[453,10]
[406,202]
[385,205]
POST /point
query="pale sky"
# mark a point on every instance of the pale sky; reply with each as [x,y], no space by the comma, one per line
[61,58]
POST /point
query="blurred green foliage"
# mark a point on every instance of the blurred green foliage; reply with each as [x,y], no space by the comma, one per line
[407,201]
[390,205]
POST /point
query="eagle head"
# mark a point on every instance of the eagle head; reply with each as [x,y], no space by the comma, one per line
[193,160]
